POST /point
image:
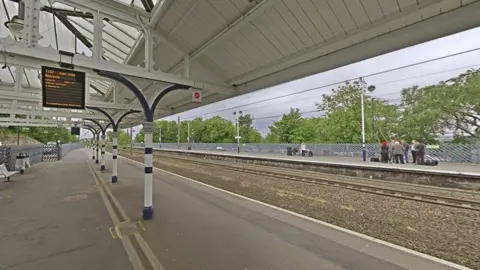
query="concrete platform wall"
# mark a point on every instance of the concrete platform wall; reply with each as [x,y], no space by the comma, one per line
[469,181]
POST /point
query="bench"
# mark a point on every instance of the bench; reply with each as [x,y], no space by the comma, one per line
[220,148]
[4,173]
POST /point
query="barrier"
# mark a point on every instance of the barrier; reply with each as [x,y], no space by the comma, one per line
[65,148]
[455,153]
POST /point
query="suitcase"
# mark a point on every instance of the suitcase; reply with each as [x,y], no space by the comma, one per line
[430,162]
[374,159]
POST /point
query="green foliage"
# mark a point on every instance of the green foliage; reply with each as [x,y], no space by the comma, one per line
[424,114]
[453,105]
[122,137]
[42,134]
[212,130]
[45,135]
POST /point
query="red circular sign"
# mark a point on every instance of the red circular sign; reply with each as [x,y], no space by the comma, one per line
[196,95]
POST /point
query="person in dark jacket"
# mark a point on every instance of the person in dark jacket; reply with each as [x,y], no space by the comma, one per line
[384,151]
[413,149]
[406,149]
[420,153]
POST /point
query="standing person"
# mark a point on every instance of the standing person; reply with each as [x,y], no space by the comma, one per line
[420,153]
[384,152]
[413,149]
[397,150]
[406,149]
[390,149]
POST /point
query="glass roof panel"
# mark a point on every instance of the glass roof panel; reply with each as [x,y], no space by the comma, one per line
[32,77]
[118,40]
[128,30]
[136,3]
[5,76]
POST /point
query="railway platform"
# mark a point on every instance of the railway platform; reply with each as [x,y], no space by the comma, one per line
[453,175]
[447,167]
[52,218]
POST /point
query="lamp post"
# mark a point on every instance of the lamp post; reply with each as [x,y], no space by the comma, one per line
[237,125]
[160,134]
[370,89]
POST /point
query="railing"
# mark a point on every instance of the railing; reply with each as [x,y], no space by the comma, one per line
[35,151]
[8,153]
[457,153]
[65,148]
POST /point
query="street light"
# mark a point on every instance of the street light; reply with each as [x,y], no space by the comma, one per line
[237,124]
[370,89]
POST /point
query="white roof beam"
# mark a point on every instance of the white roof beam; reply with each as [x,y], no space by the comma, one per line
[53,114]
[36,57]
[253,13]
[113,10]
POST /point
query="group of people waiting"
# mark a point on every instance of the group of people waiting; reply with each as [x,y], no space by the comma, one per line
[398,152]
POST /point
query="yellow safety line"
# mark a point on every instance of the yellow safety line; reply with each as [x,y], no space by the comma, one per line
[119,234]
[111,232]
[141,225]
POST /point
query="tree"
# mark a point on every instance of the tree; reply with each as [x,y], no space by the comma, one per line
[450,106]
[50,134]
[218,130]
[343,121]
[248,133]
[213,130]
[122,137]
[283,130]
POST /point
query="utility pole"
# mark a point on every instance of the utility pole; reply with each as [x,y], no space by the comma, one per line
[178,132]
[237,126]
[188,133]
[373,121]
[160,135]
[131,141]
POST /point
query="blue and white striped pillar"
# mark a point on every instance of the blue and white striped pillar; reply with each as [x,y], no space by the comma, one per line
[92,145]
[147,192]
[114,153]
[97,148]
[102,166]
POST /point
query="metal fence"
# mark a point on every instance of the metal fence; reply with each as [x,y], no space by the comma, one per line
[65,148]
[457,153]
[8,154]
[35,151]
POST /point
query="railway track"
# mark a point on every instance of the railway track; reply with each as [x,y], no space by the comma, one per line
[390,189]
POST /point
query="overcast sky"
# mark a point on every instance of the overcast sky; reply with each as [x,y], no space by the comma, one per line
[388,85]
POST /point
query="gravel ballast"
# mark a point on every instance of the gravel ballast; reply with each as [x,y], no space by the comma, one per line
[441,231]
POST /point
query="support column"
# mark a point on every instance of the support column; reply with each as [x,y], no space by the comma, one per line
[114,153]
[148,196]
[98,146]
[149,111]
[102,166]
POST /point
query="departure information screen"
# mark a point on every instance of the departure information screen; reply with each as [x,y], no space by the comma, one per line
[63,88]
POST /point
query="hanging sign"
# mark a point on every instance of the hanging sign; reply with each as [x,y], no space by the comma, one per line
[197,96]
[63,88]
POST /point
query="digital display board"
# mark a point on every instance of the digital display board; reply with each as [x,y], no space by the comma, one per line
[75,131]
[63,88]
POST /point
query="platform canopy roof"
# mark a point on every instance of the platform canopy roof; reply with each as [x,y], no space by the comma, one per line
[227,47]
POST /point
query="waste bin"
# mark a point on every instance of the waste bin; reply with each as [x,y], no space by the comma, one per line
[27,160]
[20,162]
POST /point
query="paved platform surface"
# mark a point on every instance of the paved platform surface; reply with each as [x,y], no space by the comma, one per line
[52,218]
[196,227]
[444,167]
